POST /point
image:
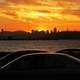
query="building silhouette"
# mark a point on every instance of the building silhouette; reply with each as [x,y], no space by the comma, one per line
[39,35]
[55,30]
[2,30]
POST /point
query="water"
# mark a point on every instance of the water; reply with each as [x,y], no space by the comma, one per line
[48,45]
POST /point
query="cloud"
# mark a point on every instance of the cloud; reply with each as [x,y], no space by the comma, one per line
[10,14]
[41,9]
[22,1]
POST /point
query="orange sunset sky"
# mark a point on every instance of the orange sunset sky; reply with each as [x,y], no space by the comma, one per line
[39,15]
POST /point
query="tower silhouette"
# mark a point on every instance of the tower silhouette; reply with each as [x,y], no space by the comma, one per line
[55,30]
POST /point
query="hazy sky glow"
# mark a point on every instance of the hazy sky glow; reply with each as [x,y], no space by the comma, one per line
[39,14]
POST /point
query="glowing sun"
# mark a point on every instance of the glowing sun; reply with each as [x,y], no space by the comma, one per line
[41,28]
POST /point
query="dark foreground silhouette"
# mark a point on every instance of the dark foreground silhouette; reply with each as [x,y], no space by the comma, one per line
[30,64]
[72,52]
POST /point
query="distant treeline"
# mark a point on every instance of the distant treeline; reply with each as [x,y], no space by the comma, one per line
[39,35]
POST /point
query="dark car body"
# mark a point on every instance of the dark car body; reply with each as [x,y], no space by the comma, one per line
[6,57]
[72,52]
[41,65]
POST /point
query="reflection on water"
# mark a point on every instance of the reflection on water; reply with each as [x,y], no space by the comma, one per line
[49,45]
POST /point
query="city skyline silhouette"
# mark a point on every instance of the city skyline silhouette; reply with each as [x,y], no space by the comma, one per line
[39,35]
